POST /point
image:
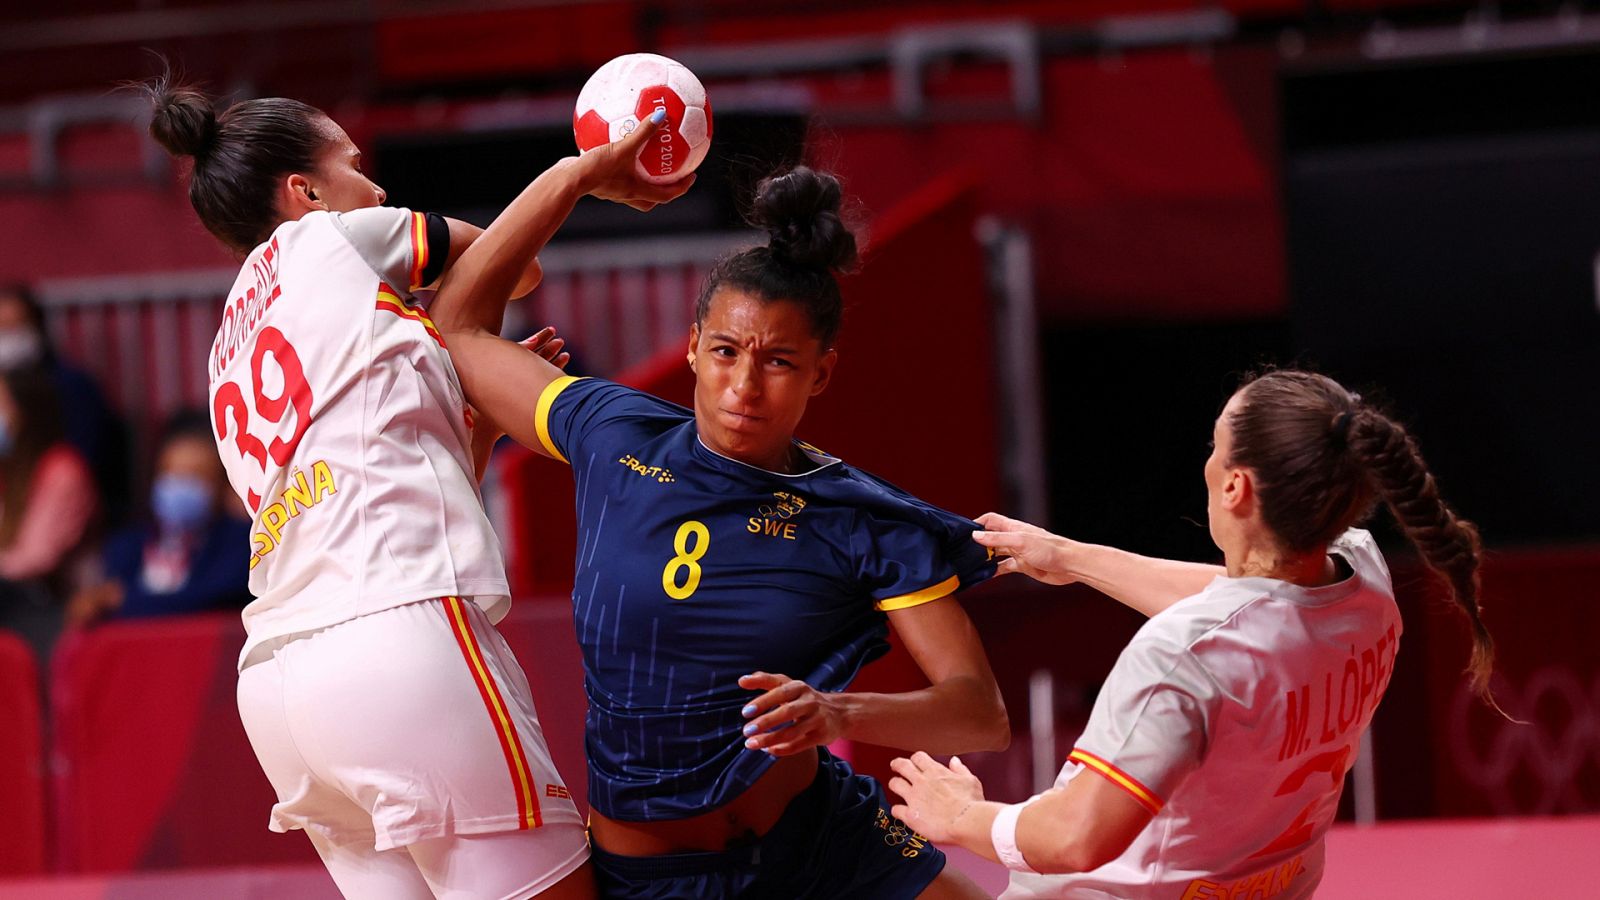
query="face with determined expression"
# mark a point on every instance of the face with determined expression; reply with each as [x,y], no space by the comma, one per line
[757,364]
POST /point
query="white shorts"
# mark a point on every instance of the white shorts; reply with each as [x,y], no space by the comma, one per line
[405,726]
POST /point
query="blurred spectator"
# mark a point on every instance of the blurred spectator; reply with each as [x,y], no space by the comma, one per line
[190,553]
[47,504]
[88,421]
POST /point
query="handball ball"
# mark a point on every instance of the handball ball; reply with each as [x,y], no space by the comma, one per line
[627,90]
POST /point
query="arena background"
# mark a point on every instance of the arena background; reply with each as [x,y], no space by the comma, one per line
[1086,219]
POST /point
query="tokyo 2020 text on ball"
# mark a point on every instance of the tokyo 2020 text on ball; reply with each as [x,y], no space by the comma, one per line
[629,89]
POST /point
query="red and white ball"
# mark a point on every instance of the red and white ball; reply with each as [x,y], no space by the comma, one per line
[628,89]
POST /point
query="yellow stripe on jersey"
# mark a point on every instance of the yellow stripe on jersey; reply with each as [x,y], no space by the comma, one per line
[413,313]
[392,302]
[1121,779]
[508,731]
[927,595]
[541,414]
[419,249]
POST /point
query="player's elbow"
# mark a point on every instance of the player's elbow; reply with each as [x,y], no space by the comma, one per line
[999,732]
[1079,850]
[983,730]
[994,728]
[1068,860]
[531,276]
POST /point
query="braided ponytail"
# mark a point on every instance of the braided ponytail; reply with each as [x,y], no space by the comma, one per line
[1448,543]
[1321,459]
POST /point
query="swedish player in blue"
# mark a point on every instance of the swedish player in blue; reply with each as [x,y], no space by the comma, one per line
[730,583]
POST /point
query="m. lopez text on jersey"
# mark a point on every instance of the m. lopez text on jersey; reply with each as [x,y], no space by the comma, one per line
[298,496]
[1343,696]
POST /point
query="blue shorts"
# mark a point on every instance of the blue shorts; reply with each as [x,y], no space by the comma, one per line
[835,839]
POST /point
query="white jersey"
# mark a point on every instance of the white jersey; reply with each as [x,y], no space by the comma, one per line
[344,430]
[1233,716]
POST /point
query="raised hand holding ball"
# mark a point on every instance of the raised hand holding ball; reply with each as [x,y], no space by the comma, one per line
[625,91]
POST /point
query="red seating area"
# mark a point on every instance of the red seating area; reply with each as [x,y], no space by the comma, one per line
[21,761]
[433,45]
[151,768]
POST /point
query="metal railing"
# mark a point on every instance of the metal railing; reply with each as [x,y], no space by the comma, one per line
[619,302]
[145,337]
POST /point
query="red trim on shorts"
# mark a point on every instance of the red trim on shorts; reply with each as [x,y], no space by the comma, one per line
[522,781]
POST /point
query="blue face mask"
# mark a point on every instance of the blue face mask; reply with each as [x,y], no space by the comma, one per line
[7,438]
[181,502]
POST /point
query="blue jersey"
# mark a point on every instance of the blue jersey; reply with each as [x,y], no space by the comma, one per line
[694,569]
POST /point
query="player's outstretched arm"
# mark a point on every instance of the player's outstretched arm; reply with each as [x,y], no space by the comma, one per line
[503,381]
[473,292]
[1075,828]
[463,235]
[1144,583]
[960,712]
[486,432]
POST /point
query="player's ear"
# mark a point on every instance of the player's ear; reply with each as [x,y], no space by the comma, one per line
[694,343]
[824,371]
[1237,490]
[300,197]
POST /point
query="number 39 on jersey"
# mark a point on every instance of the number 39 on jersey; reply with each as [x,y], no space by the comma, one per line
[228,407]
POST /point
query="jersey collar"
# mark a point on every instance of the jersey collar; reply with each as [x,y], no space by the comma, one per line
[1323,595]
[822,460]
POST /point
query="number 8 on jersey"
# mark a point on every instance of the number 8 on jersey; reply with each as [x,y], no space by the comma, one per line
[686,559]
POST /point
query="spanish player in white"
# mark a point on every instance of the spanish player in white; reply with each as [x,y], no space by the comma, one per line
[1213,759]
[391,718]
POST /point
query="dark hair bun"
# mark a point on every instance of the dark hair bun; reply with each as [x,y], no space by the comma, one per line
[800,209]
[183,121]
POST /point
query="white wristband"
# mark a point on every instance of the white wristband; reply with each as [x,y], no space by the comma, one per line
[1003,834]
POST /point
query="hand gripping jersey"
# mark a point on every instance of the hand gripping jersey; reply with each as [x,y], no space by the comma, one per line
[343,429]
[1233,716]
[694,570]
